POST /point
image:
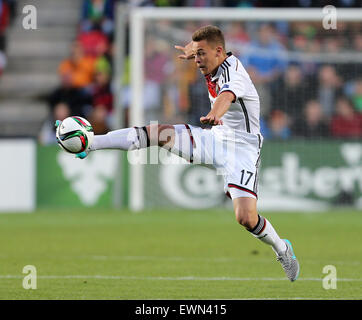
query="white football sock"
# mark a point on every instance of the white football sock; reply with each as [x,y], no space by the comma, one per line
[266,233]
[124,139]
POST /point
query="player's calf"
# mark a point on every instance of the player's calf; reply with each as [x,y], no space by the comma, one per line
[124,139]
[245,212]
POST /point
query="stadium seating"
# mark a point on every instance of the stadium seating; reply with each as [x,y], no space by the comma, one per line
[34,58]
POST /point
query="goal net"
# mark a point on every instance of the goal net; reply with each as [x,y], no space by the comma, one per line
[306,67]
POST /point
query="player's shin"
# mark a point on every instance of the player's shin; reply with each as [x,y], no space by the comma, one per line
[266,233]
[123,139]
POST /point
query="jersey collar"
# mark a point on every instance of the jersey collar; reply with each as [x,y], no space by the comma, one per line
[220,69]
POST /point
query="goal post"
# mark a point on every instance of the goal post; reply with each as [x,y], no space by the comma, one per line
[136,113]
[143,21]
[119,68]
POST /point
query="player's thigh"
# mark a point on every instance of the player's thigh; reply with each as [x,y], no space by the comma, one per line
[194,144]
[241,171]
[208,149]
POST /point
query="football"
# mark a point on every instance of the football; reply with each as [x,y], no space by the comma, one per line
[74,134]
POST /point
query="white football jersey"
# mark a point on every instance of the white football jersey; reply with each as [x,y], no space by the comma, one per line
[243,115]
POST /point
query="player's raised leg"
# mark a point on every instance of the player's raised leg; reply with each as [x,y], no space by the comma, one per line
[246,214]
[134,138]
[128,139]
[175,138]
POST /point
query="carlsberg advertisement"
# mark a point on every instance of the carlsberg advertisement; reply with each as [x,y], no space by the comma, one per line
[293,176]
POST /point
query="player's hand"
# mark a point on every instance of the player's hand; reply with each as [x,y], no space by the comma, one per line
[211,119]
[188,53]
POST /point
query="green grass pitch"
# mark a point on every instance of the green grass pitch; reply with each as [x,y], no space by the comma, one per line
[160,254]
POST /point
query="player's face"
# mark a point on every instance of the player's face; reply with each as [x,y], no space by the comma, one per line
[207,56]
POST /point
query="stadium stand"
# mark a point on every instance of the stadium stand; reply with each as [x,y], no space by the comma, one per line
[4,23]
[287,63]
[33,59]
[69,59]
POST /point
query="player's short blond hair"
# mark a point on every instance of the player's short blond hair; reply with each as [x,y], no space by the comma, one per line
[211,34]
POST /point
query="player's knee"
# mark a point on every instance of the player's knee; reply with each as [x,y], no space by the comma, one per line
[161,134]
[247,217]
[166,136]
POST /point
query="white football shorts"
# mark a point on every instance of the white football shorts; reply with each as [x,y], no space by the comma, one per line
[237,159]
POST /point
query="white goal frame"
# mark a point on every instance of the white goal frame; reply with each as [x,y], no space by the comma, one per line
[138,16]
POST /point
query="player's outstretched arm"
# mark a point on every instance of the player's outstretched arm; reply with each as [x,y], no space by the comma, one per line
[187,50]
[221,105]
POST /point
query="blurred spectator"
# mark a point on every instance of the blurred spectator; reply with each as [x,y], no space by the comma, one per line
[79,67]
[332,44]
[12,9]
[47,132]
[100,91]
[203,3]
[94,43]
[306,30]
[140,3]
[346,122]
[357,42]
[263,127]
[349,3]
[157,57]
[237,32]
[236,37]
[318,3]
[99,119]
[350,69]
[265,57]
[291,92]
[329,85]
[98,15]
[2,62]
[303,40]
[357,96]
[4,22]
[75,98]
[357,47]
[157,71]
[198,99]
[240,3]
[277,126]
[63,102]
[312,124]
[301,45]
[61,111]
[271,3]
[102,64]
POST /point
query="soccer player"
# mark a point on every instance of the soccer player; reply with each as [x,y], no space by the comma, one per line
[233,144]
